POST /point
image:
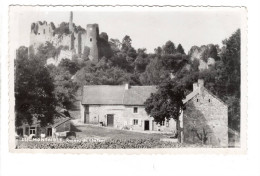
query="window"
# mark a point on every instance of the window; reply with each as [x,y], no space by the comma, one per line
[209,100]
[43,31]
[135,122]
[197,100]
[167,123]
[90,39]
[32,130]
[135,110]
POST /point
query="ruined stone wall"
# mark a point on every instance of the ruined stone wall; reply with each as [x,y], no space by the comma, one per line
[41,32]
[205,111]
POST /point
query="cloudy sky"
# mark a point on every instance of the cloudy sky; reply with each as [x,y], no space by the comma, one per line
[148,27]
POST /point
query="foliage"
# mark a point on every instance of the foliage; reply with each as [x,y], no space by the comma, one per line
[65,88]
[62,29]
[210,52]
[120,62]
[169,48]
[34,88]
[166,102]
[104,46]
[180,49]
[107,144]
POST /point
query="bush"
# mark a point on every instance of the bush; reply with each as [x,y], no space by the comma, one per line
[107,144]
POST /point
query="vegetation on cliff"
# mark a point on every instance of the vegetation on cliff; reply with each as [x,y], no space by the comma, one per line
[119,62]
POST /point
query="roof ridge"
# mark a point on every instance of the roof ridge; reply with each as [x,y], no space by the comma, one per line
[186,100]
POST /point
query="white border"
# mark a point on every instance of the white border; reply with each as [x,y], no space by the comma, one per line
[58,164]
[241,150]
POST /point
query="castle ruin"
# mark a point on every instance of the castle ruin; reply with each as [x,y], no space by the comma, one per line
[77,41]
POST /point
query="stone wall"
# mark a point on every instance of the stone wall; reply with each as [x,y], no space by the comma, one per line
[42,32]
[124,116]
[205,111]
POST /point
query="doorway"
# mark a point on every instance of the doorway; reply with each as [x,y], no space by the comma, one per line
[110,120]
[146,125]
[86,118]
[49,132]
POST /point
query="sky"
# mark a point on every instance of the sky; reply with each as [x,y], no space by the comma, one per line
[147,27]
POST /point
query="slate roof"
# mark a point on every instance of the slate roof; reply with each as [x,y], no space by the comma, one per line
[196,91]
[60,121]
[116,95]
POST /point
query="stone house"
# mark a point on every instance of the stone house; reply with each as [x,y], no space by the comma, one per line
[205,116]
[61,124]
[120,107]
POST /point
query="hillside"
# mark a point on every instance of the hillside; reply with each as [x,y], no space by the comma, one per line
[119,62]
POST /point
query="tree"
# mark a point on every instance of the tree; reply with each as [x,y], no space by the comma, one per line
[34,97]
[115,45]
[126,43]
[158,50]
[210,52]
[232,72]
[65,88]
[154,73]
[180,49]
[166,103]
[69,65]
[169,48]
[104,36]
[104,46]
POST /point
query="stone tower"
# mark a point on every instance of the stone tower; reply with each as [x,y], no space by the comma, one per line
[71,46]
[92,41]
[71,23]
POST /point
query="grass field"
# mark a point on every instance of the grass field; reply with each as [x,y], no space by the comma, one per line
[86,131]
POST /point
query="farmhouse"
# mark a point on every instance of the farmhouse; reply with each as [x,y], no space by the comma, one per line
[203,119]
[120,107]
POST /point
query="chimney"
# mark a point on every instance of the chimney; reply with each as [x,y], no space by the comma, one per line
[201,82]
[127,86]
[198,85]
[195,86]
[201,85]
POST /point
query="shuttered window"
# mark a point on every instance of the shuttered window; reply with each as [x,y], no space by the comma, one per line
[135,122]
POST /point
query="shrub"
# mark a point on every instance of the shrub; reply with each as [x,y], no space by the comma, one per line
[106,144]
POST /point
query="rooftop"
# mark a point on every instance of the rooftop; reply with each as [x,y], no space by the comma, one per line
[116,94]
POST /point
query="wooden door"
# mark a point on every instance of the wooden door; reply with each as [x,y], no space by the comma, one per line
[110,120]
[146,125]
[86,118]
